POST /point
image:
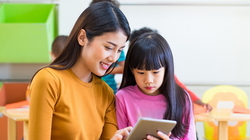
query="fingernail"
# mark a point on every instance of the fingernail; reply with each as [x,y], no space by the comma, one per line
[148,136]
[159,132]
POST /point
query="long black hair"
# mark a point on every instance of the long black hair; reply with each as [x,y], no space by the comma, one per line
[150,51]
[97,19]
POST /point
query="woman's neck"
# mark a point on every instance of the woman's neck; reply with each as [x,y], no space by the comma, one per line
[82,73]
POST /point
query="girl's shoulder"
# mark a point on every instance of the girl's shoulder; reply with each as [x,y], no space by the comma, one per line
[127,88]
[126,91]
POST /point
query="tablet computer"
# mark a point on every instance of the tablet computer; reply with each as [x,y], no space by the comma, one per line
[149,126]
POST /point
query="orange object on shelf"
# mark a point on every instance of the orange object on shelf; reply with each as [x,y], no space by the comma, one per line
[11,92]
[199,109]
[239,109]
[21,104]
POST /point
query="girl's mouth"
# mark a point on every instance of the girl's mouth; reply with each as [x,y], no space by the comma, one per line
[149,88]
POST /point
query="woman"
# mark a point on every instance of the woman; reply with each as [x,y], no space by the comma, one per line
[69,101]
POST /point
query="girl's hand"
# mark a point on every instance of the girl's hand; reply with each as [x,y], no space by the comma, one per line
[160,134]
[121,134]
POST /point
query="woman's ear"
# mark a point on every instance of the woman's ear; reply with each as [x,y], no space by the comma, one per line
[82,37]
[52,56]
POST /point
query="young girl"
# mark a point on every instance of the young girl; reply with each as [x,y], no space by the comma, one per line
[148,88]
[69,101]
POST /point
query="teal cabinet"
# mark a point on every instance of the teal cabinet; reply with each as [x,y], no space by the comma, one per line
[27,32]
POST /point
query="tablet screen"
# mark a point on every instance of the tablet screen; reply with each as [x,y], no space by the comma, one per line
[149,126]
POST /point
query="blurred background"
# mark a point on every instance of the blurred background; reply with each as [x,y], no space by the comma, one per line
[209,39]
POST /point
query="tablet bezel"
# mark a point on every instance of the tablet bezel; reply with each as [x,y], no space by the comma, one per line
[149,126]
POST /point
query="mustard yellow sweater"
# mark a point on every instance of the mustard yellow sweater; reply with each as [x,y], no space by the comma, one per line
[62,107]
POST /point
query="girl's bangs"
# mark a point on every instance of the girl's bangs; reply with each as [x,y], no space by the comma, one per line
[147,60]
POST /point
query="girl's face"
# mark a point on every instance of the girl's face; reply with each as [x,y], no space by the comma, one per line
[98,55]
[149,81]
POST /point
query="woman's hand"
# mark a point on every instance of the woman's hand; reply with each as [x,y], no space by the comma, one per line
[160,134]
[121,134]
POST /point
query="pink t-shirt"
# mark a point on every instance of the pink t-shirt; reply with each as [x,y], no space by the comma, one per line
[131,104]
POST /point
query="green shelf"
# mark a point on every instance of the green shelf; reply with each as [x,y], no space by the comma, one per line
[27,32]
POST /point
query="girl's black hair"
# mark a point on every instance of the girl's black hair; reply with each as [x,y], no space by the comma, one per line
[150,51]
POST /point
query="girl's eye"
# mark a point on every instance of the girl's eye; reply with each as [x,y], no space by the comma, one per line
[155,72]
[140,72]
[119,51]
[108,48]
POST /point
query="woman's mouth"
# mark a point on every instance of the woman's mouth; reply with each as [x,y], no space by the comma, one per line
[105,65]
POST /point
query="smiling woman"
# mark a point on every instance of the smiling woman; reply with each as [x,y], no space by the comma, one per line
[104,49]
[68,95]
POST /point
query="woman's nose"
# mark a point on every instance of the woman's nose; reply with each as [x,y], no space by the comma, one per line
[113,57]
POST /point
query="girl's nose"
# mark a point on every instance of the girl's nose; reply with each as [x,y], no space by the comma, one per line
[148,79]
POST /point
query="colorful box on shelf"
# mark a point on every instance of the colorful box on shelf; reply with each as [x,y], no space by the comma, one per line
[221,112]
[27,32]
[223,109]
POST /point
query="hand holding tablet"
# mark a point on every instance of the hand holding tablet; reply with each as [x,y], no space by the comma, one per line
[148,126]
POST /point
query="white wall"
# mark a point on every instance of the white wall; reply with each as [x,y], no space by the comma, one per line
[209,42]
[69,11]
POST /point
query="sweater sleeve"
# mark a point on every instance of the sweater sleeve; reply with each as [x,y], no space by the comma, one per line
[191,94]
[42,101]
[110,126]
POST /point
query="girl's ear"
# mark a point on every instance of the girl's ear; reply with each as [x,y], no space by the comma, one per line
[82,37]
[131,70]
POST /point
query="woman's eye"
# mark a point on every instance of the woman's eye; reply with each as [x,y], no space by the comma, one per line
[140,72]
[119,51]
[108,48]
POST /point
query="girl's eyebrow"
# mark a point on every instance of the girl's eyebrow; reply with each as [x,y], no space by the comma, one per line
[114,44]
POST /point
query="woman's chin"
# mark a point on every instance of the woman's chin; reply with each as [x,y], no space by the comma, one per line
[101,73]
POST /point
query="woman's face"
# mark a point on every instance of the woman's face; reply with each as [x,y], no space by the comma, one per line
[98,55]
[149,81]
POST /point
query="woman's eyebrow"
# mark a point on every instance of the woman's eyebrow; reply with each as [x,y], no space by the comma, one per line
[114,44]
